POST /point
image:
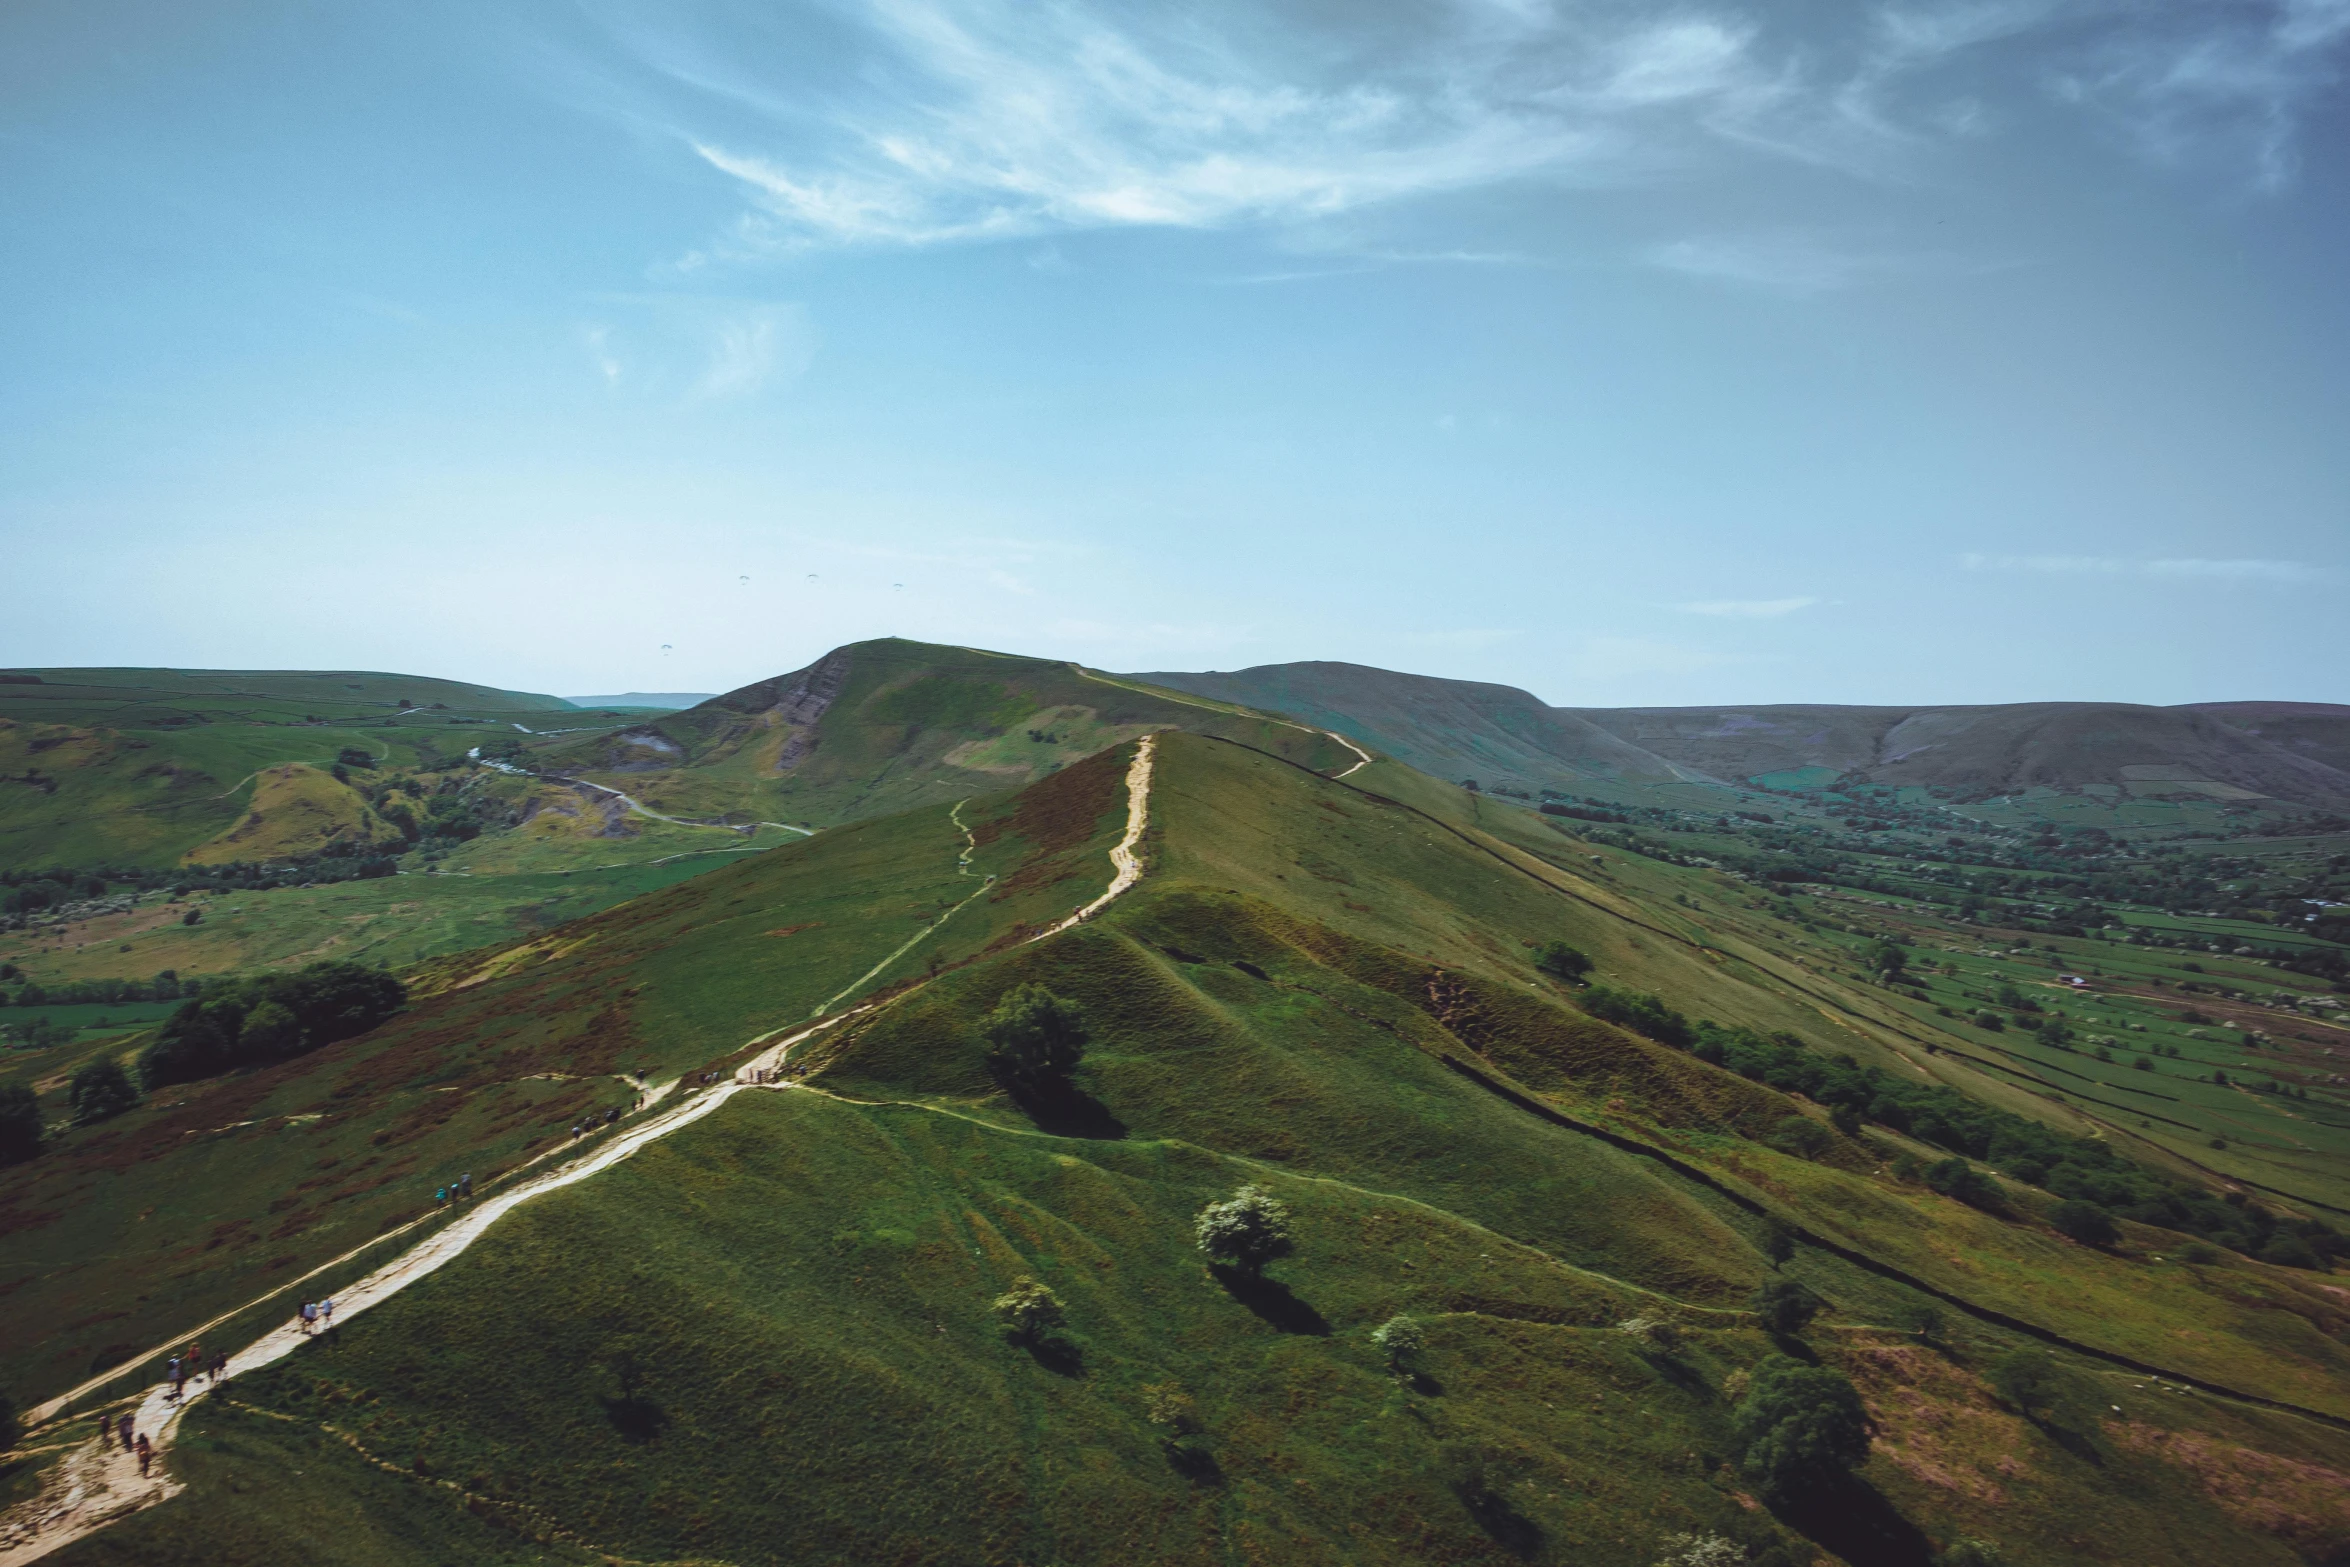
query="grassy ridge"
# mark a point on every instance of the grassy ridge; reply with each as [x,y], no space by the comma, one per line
[767,1338]
[220,1189]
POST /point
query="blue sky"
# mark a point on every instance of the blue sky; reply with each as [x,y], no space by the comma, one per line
[1628,353]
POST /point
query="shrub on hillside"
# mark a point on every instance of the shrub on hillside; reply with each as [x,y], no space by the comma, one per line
[101,1090]
[1702,1550]
[1400,1339]
[2084,1222]
[1804,1427]
[1959,1179]
[1167,1406]
[1034,1038]
[1028,1310]
[1642,1014]
[2030,1382]
[1561,961]
[256,1021]
[1246,1231]
[1802,1137]
[20,1124]
[1654,1335]
[2289,1251]
[1784,1307]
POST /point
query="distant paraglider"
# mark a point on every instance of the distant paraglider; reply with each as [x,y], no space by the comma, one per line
[746,582]
[664,647]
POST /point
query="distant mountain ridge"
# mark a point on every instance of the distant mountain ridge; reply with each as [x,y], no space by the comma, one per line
[2298,752]
[668,701]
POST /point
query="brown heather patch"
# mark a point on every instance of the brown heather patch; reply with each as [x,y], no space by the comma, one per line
[2305,1504]
[1059,813]
[1935,1423]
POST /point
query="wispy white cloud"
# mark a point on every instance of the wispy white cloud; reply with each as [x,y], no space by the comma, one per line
[940,121]
[1747,609]
[2206,82]
[2183,568]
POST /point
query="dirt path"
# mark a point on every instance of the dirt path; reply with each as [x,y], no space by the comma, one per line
[962,868]
[98,1482]
[1124,858]
[1351,746]
[95,1484]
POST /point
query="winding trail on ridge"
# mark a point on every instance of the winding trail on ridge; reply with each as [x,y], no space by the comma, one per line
[98,1482]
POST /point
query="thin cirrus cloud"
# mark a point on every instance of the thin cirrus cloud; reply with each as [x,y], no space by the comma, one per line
[1747,609]
[2187,568]
[931,122]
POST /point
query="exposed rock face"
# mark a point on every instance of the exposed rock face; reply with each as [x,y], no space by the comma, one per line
[795,701]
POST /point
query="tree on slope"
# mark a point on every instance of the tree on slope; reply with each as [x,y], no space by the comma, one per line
[1785,1307]
[1804,1427]
[1246,1231]
[1034,1038]
[100,1091]
[1558,959]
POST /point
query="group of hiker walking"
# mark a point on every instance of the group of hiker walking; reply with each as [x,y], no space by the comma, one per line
[110,1430]
[186,1368]
[315,1314]
[455,1192]
[182,1370]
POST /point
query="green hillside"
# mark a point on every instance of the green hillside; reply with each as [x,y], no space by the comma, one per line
[768,1336]
[879,726]
[139,767]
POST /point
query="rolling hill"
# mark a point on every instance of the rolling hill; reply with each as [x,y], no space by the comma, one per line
[769,1335]
[141,767]
[878,726]
[2294,753]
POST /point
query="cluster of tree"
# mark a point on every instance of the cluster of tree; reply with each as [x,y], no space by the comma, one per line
[29,892]
[2073,1168]
[32,892]
[252,1022]
[166,986]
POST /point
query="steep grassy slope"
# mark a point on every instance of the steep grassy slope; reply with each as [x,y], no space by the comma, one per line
[213,1192]
[880,726]
[767,1338]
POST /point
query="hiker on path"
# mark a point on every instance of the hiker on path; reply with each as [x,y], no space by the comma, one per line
[219,1364]
[105,1429]
[465,1183]
[171,1374]
[309,1315]
[611,1115]
[326,1310]
[440,1197]
[146,1454]
[124,1428]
